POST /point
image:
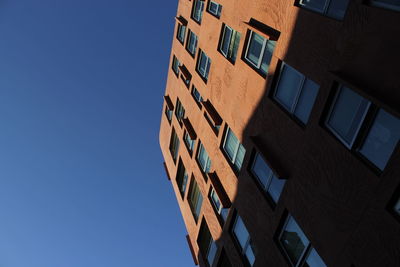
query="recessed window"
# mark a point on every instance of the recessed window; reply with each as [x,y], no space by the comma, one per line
[207,245]
[212,117]
[382,139]
[389,4]
[174,145]
[168,113]
[259,52]
[195,199]
[297,247]
[266,178]
[214,8]
[215,201]
[181,32]
[229,43]
[175,65]
[295,92]
[181,178]
[242,238]
[197,10]
[203,159]
[348,115]
[179,111]
[197,96]
[233,149]
[191,44]
[331,8]
[203,65]
[189,142]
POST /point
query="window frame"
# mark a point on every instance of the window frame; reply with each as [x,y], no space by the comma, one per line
[379,4]
[324,12]
[219,8]
[174,146]
[189,147]
[188,39]
[231,57]
[199,203]
[178,32]
[185,178]
[204,76]
[174,60]
[208,163]
[248,243]
[179,111]
[232,161]
[197,100]
[201,11]
[218,210]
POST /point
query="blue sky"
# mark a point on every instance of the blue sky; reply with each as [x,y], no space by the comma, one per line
[81,176]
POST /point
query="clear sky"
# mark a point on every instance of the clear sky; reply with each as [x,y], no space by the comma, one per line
[81,176]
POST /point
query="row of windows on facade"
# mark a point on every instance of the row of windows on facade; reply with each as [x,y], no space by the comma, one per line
[332,8]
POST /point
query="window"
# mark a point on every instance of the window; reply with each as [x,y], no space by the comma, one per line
[297,247]
[215,127]
[197,11]
[259,52]
[180,34]
[203,65]
[214,8]
[179,110]
[203,159]
[181,178]
[197,96]
[229,43]
[175,65]
[189,142]
[295,92]
[243,240]
[331,8]
[174,145]
[216,203]
[233,149]
[212,116]
[195,199]
[207,246]
[168,113]
[266,178]
[191,44]
[348,115]
[389,4]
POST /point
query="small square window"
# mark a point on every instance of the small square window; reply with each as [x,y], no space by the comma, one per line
[242,238]
[233,149]
[181,178]
[203,159]
[181,32]
[259,52]
[197,10]
[175,65]
[332,8]
[195,199]
[179,111]
[203,65]
[214,8]
[388,4]
[174,145]
[189,142]
[229,43]
[295,92]
[266,178]
[191,44]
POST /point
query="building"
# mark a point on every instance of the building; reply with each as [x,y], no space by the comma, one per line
[280,131]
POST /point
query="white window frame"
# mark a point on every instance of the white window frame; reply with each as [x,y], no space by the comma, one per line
[233,160]
[218,7]
[201,10]
[223,38]
[180,27]
[208,161]
[264,45]
[207,65]
[190,37]
[348,145]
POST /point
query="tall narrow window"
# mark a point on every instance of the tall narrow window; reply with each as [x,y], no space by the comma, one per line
[168,113]
[195,199]
[181,32]
[295,93]
[191,44]
[331,8]
[197,96]
[216,203]
[233,149]
[266,178]
[229,43]
[297,247]
[181,178]
[175,65]
[189,142]
[242,238]
[203,159]
[214,8]
[174,145]
[203,65]
[259,52]
[207,245]
[197,10]
[179,110]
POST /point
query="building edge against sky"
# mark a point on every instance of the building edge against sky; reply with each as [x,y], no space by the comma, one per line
[280,131]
